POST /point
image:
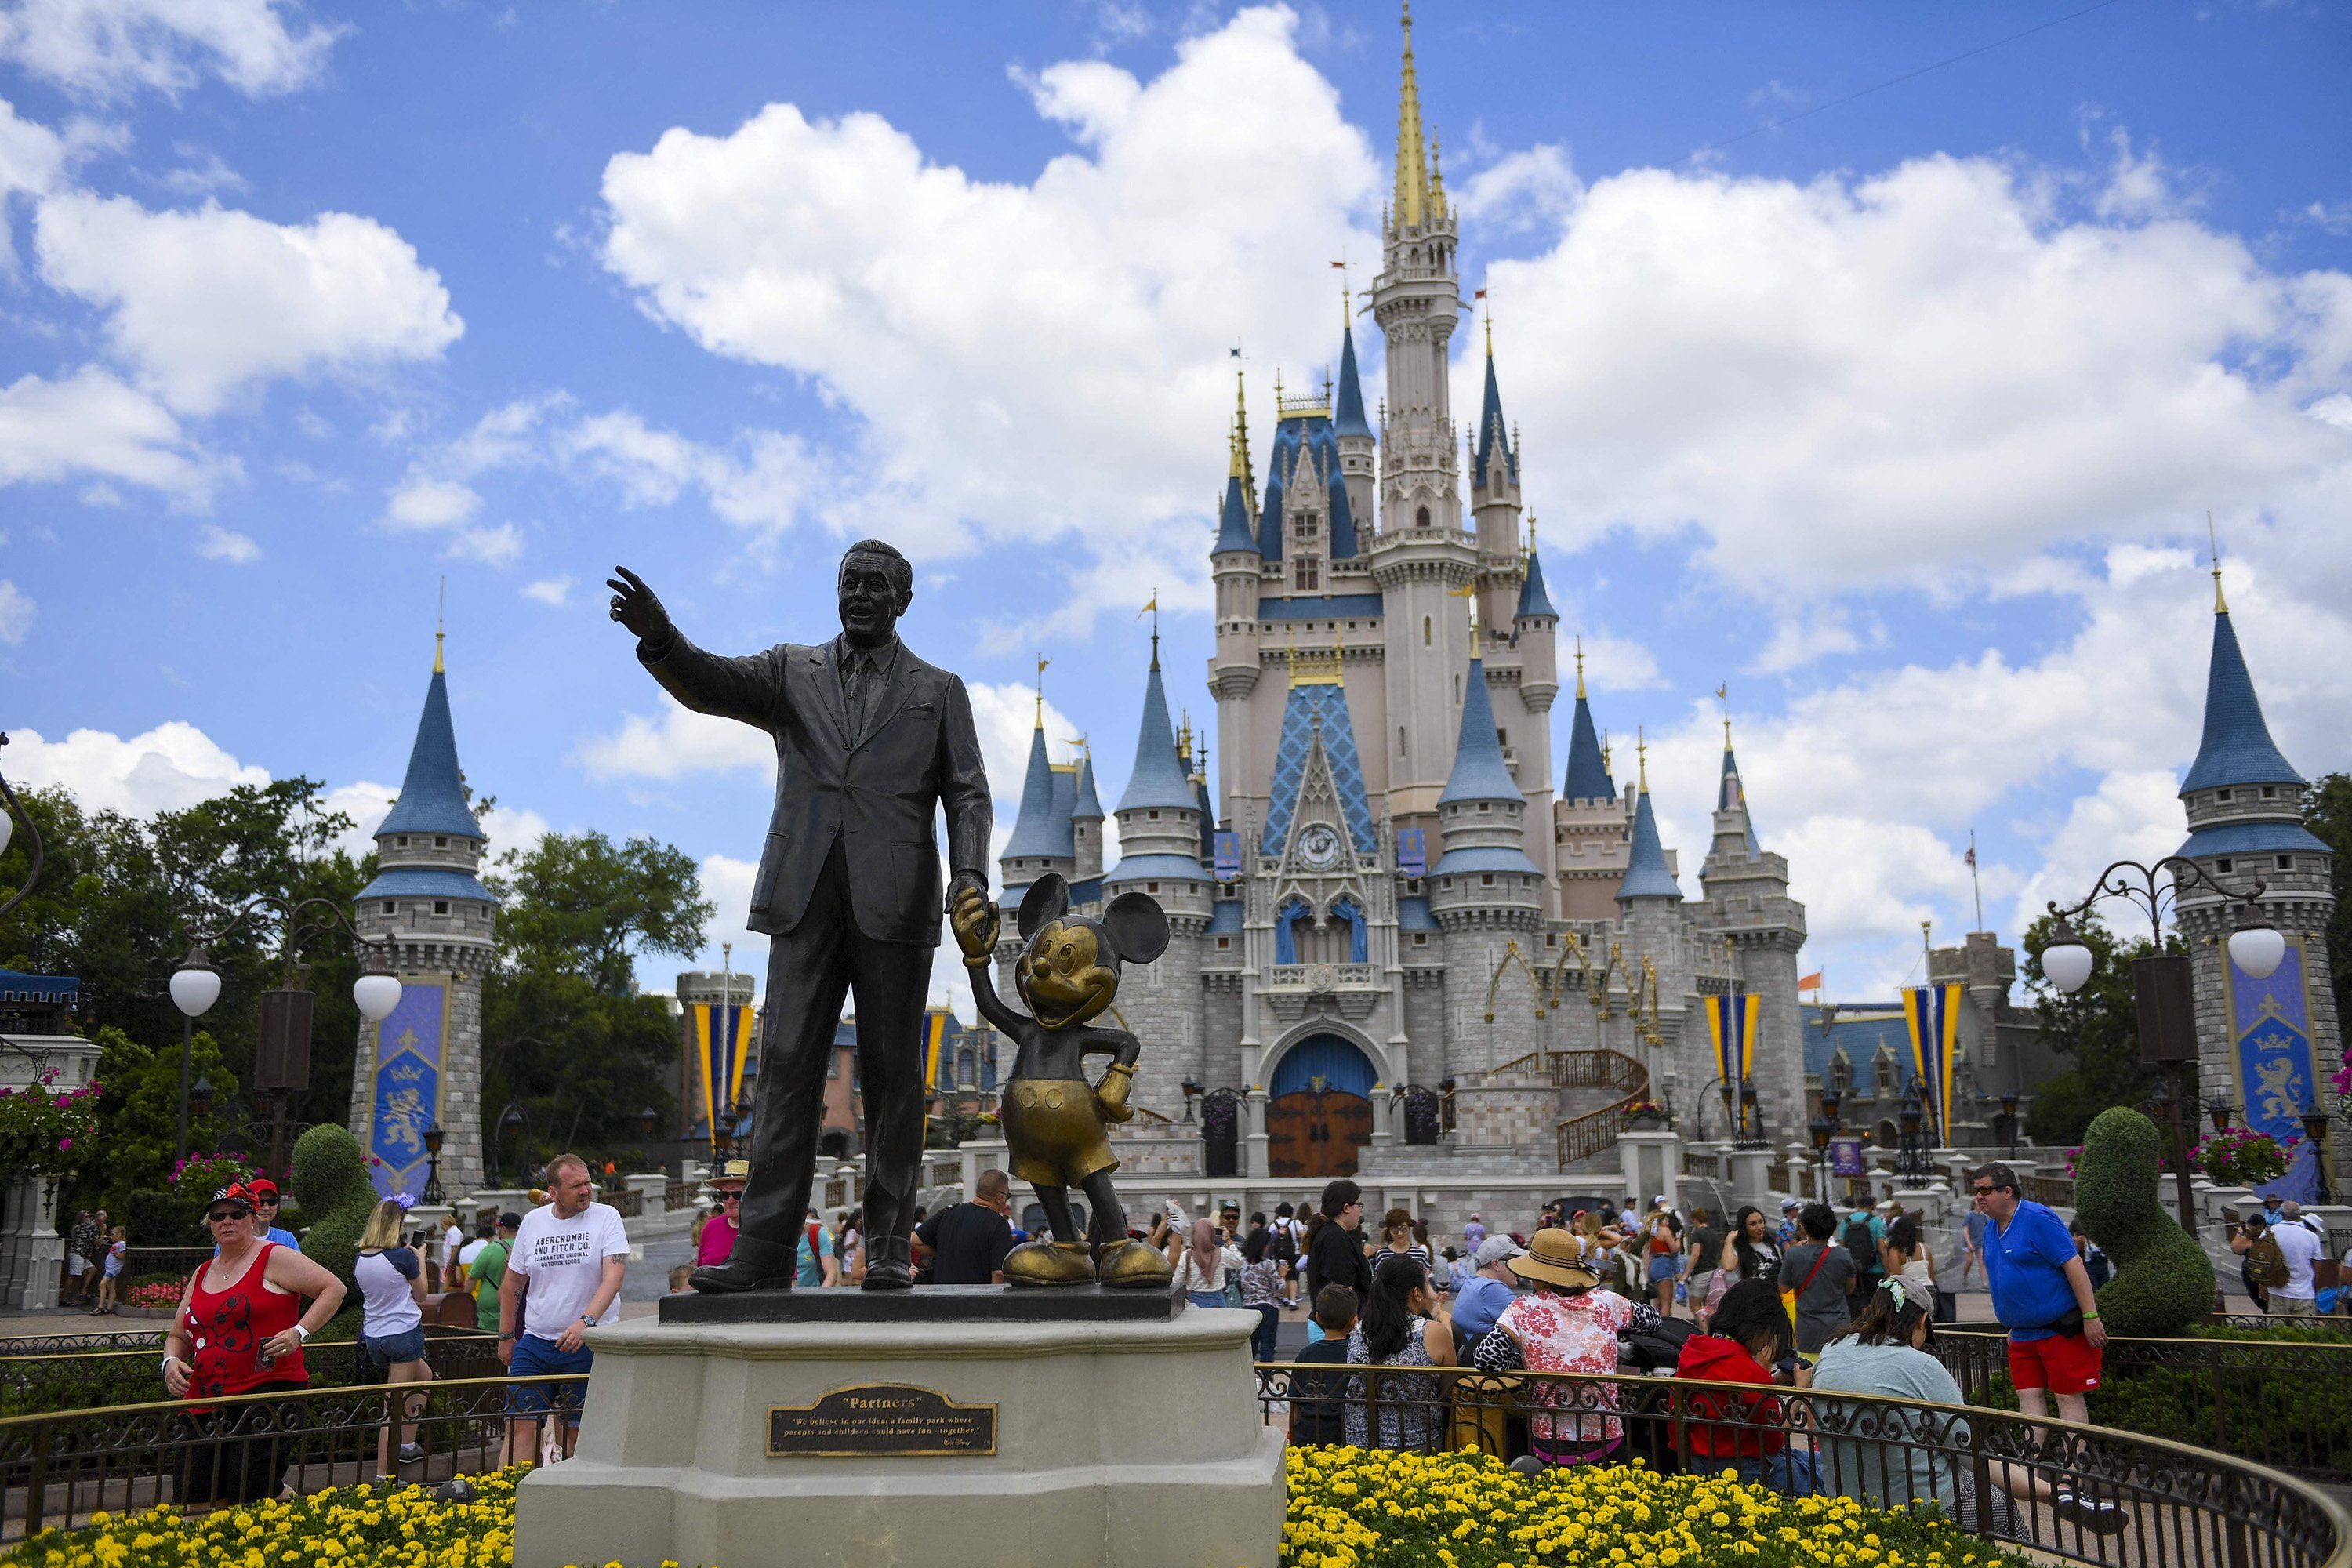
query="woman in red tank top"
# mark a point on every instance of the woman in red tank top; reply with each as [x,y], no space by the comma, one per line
[239,1329]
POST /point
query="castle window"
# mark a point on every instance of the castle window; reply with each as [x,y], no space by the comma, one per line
[1224,943]
[1421,938]
[1457,691]
[2220,795]
[1402,750]
[2287,862]
[389,907]
[440,841]
[1150,887]
[1155,817]
[1306,573]
[1425,631]
[2222,867]
[401,842]
[1502,737]
[1304,525]
[1420,518]
[1486,878]
[2270,791]
[1484,807]
[440,906]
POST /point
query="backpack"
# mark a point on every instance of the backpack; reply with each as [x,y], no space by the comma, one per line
[2265,1264]
[1860,1245]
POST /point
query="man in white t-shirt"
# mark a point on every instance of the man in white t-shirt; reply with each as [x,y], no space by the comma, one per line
[453,1241]
[2301,1246]
[563,1276]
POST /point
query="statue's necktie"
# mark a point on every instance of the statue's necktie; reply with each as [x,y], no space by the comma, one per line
[854,679]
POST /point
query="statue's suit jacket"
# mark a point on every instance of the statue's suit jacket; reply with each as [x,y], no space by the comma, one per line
[873,793]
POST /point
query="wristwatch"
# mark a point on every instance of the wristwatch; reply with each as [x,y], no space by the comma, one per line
[503,1338]
[585,1319]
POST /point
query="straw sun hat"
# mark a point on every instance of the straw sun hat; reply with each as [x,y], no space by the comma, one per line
[736,1176]
[1555,1256]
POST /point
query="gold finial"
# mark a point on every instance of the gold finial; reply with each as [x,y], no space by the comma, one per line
[1528,553]
[1490,327]
[2221,604]
[1580,690]
[1042,662]
[441,625]
[1412,200]
[1436,179]
[1642,755]
[1606,766]
[1722,695]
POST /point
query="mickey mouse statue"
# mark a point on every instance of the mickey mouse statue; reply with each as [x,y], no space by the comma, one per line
[1056,1122]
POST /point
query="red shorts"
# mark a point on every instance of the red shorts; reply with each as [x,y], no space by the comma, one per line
[2062,1364]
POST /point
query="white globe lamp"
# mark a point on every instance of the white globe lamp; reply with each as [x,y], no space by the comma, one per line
[195,985]
[377,995]
[2257,950]
[2067,960]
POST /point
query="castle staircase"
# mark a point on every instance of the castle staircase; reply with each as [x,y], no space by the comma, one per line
[1597,1088]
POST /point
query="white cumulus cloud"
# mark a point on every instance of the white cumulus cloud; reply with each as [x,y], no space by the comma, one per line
[16,612]
[111,49]
[168,768]
[553,592]
[205,302]
[92,423]
[218,544]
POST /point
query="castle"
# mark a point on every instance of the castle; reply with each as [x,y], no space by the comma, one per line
[1405,948]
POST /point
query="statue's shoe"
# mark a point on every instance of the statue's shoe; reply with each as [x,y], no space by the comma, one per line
[1132,1263]
[1049,1263]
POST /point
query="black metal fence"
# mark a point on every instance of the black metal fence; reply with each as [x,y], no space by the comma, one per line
[2082,1493]
[86,1379]
[58,1467]
[82,1345]
[2283,1402]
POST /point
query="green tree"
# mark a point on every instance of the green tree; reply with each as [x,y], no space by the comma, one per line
[566,1031]
[2327,812]
[2095,1031]
[138,1125]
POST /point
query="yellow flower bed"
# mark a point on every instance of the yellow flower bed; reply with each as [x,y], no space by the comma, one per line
[1367,1507]
[356,1527]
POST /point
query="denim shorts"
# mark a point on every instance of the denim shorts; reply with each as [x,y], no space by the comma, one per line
[536,1357]
[387,1351]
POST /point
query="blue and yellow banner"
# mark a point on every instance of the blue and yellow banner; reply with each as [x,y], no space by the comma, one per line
[1731,1018]
[2270,1038]
[409,1054]
[1933,1013]
[722,1039]
[935,1032]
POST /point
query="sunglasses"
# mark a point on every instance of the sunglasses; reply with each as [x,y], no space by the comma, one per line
[732,1198]
[225,1215]
[1983,1191]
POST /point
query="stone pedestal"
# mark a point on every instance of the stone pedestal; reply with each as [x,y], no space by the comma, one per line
[1071,1443]
[1653,1165]
[1751,1177]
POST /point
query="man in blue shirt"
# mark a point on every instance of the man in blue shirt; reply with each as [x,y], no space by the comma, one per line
[1480,1299]
[2038,1283]
[265,1215]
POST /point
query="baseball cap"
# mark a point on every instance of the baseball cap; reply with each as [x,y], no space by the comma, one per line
[236,1195]
[1659,1202]
[263,1184]
[1789,1205]
[1495,1248]
[510,1219]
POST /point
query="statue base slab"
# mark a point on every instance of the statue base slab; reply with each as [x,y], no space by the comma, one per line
[969,1442]
[930,1304]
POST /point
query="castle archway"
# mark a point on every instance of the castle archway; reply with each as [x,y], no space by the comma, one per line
[1318,1111]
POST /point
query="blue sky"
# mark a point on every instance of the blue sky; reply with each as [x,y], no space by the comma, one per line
[1902,415]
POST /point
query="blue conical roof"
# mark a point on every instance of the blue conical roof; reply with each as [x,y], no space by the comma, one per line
[1587,779]
[1157,778]
[1731,795]
[1042,828]
[1349,418]
[1479,772]
[1533,600]
[2237,748]
[1492,433]
[1233,531]
[1088,808]
[433,796]
[1646,876]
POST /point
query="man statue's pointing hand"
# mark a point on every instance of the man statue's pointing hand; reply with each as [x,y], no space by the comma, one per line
[634,606]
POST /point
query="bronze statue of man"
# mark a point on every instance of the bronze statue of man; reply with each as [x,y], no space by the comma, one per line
[869,741]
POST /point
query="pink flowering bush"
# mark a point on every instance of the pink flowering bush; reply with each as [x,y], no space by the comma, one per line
[45,1131]
[2242,1157]
[205,1174]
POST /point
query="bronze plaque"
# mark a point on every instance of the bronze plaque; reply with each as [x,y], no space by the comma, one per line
[880,1419]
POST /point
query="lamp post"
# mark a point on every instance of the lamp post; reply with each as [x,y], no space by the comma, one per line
[1911,1156]
[2219,1110]
[2008,1120]
[432,1194]
[281,1063]
[1832,1103]
[2162,985]
[1822,1129]
[1751,1117]
[511,1121]
[2315,1129]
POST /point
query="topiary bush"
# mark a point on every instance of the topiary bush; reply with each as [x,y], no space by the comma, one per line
[2164,1282]
[331,1182]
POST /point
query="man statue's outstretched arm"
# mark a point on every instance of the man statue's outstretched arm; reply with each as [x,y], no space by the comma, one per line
[963,792]
[749,689]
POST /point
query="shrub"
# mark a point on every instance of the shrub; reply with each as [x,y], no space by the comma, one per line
[2164,1282]
[379,1524]
[331,1182]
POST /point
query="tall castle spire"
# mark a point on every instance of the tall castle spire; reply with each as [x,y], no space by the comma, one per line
[1647,875]
[1588,768]
[1411,207]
